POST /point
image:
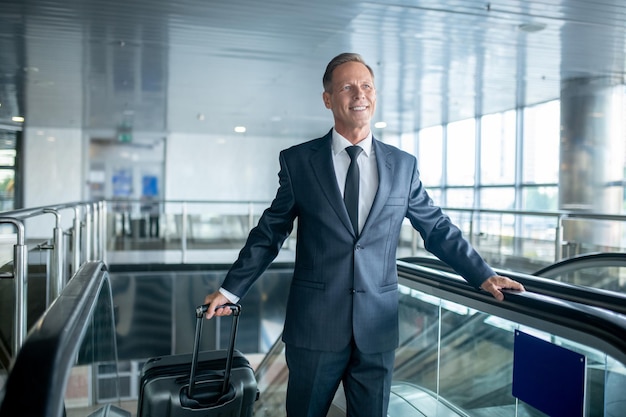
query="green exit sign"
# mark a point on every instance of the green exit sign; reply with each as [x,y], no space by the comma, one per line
[125,137]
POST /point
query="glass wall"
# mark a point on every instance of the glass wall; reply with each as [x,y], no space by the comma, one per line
[503,161]
[497,148]
[8,155]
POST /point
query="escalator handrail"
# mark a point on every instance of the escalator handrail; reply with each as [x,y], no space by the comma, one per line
[610,258]
[36,382]
[593,326]
[597,297]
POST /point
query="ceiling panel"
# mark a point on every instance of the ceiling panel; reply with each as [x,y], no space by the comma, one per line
[198,66]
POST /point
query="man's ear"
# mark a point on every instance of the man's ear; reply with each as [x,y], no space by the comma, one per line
[326,98]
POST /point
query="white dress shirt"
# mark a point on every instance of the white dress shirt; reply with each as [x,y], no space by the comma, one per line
[368,180]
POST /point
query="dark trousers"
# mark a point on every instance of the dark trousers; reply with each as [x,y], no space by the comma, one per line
[314,377]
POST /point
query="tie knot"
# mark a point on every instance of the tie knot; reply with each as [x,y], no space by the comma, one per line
[354,151]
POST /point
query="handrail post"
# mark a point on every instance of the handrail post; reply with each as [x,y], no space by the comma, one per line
[20,275]
[250,216]
[183,234]
[95,247]
[87,239]
[558,238]
[103,231]
[56,271]
[76,241]
[471,226]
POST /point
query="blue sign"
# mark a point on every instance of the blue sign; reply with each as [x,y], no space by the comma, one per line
[122,183]
[549,377]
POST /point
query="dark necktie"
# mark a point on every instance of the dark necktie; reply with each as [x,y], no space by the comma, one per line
[351,191]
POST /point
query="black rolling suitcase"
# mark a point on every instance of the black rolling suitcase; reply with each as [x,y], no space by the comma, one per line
[211,383]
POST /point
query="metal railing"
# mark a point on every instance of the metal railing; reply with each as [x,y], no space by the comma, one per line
[545,235]
[86,230]
[94,228]
[439,313]
[77,331]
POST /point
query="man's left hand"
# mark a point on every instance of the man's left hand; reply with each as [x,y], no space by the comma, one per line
[496,283]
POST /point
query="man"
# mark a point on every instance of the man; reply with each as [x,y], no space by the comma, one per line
[342,314]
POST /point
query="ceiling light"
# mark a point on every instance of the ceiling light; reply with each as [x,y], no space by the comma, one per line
[380,125]
[531,27]
[18,119]
[240,129]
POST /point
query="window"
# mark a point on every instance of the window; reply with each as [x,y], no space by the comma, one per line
[430,163]
[540,198]
[8,156]
[497,198]
[460,197]
[497,148]
[461,151]
[407,142]
[541,143]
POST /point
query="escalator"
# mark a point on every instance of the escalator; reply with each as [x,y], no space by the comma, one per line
[456,355]
[75,335]
[457,348]
[605,271]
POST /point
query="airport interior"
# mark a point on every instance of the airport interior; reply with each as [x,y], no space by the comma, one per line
[139,146]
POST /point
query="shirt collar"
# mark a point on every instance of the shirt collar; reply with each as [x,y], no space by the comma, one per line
[339,143]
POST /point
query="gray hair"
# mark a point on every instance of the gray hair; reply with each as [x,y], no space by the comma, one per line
[327,80]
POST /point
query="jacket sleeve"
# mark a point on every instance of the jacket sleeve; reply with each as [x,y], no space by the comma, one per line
[443,238]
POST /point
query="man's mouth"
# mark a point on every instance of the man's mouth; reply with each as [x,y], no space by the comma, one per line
[358,108]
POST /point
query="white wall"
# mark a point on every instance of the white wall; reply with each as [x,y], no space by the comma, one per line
[53,174]
[235,168]
[53,166]
[197,167]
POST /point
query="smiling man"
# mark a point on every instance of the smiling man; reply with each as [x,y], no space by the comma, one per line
[350,194]
[350,94]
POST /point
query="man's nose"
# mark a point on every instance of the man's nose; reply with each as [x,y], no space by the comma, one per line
[359,92]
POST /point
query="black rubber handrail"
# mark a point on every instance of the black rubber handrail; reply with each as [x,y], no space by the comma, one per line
[592,326]
[603,329]
[588,260]
[37,381]
[596,297]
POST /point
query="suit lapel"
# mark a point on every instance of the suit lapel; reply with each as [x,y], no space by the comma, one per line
[385,181]
[324,170]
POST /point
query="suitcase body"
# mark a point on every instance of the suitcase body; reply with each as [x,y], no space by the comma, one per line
[166,381]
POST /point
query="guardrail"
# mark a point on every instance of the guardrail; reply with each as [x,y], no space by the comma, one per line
[78,330]
[453,336]
[94,226]
[571,230]
[86,232]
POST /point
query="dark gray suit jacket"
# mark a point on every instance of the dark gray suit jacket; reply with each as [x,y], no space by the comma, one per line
[343,285]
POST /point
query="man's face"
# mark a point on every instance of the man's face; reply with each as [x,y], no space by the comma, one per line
[352,98]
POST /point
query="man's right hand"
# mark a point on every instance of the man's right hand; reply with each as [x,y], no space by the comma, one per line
[215,300]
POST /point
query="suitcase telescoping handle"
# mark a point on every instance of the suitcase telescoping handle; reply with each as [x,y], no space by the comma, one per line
[200,312]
